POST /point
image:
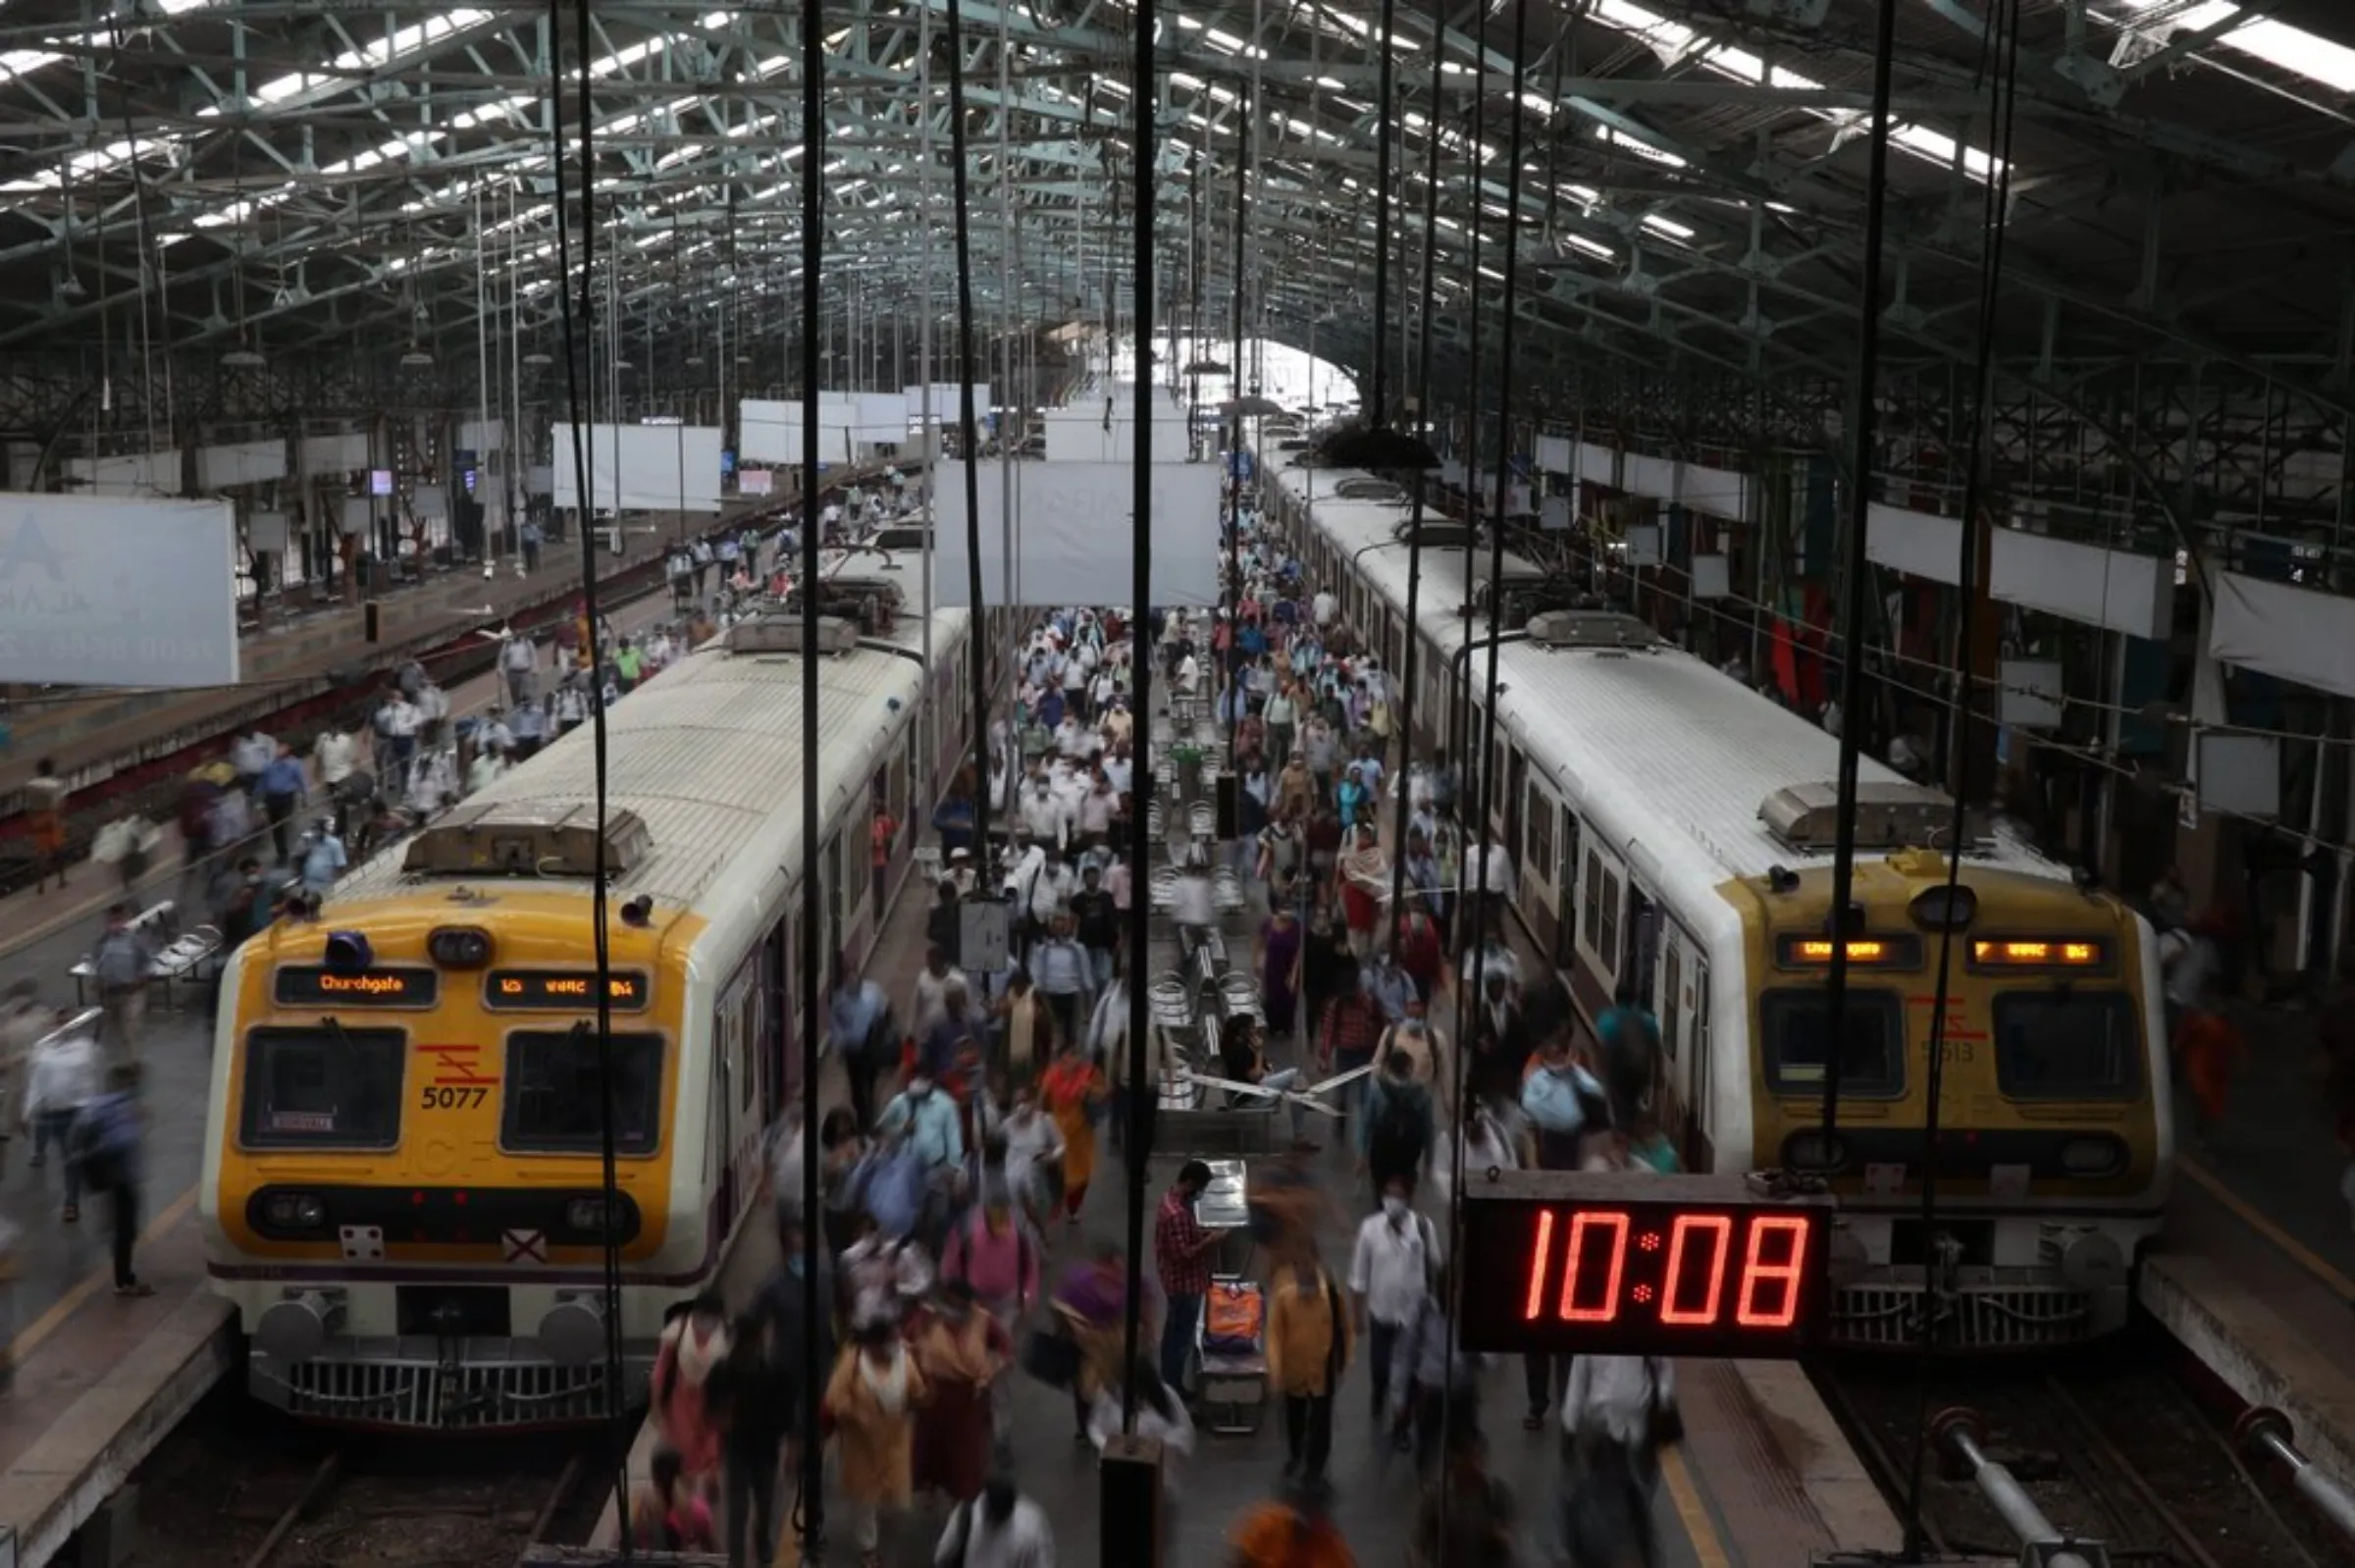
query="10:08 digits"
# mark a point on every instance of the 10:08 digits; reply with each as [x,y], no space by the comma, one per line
[1688,1290]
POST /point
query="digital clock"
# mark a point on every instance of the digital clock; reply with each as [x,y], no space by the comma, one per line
[1618,1263]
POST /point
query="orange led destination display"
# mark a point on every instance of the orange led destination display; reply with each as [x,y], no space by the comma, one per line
[2040,953]
[551,990]
[310,985]
[1895,952]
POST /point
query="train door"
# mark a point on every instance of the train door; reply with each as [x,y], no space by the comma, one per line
[776,966]
[1701,1147]
[1677,961]
[736,1123]
[1565,883]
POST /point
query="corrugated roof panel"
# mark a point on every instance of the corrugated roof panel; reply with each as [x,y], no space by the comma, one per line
[709,756]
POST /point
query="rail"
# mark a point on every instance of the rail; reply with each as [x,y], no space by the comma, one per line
[2268,1433]
[1959,1433]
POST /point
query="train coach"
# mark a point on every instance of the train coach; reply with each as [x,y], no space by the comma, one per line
[403,1188]
[1671,830]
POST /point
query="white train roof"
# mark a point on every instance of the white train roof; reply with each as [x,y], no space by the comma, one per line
[708,757]
[1638,742]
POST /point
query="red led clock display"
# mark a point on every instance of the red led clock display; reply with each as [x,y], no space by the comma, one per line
[1620,1264]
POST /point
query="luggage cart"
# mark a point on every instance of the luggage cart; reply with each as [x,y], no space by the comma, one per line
[1233,1384]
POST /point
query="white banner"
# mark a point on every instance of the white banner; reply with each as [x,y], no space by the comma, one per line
[1072,542]
[658,468]
[106,591]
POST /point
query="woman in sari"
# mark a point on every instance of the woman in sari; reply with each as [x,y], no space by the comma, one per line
[961,1350]
[1072,1090]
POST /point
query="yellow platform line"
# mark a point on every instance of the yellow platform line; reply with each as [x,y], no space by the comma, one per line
[99,1278]
[1709,1549]
[2249,1215]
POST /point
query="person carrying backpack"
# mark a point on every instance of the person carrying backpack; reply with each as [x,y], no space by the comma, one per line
[1398,1124]
[106,1141]
[992,1251]
[1630,1037]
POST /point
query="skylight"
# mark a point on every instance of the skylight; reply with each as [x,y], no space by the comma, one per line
[2278,45]
[1592,247]
[1676,44]
[15,63]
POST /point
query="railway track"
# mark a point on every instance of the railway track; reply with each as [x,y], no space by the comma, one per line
[2109,1444]
[236,1487]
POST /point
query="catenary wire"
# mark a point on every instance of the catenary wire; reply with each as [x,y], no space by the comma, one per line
[578,323]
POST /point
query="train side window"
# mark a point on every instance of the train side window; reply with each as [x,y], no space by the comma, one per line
[1538,815]
[551,1093]
[1607,934]
[322,1088]
[1796,1025]
[1590,915]
[2067,1045]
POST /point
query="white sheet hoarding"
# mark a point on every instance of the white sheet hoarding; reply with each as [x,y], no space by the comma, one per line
[1073,545]
[117,591]
[657,468]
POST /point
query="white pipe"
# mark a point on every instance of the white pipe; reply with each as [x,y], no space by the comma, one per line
[923,353]
[481,370]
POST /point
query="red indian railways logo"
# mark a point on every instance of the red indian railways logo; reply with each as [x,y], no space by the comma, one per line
[459,1065]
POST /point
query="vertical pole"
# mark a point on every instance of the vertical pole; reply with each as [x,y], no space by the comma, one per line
[1140,591]
[924,332]
[814,256]
[984,860]
[1856,583]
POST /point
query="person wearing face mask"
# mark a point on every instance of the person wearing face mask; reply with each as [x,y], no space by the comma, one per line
[1181,1251]
[1390,1273]
[927,1120]
[1565,1102]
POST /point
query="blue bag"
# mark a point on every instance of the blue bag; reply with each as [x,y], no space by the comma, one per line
[896,1190]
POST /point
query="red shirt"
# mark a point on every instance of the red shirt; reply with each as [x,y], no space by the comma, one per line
[1177,1248]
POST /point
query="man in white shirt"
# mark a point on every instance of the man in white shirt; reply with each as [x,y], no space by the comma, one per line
[1044,816]
[1389,1272]
[1326,607]
[336,752]
[1051,893]
[1000,1529]
[519,660]
[932,984]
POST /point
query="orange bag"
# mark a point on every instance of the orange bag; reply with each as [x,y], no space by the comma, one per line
[1233,1317]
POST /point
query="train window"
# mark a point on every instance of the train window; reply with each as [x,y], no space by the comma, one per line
[1607,934]
[323,1086]
[1538,819]
[1795,1024]
[551,1102]
[1590,915]
[2067,1045]
[1672,999]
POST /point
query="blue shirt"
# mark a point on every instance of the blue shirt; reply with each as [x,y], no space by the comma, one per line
[283,777]
[1390,986]
[931,1126]
[851,1013]
[1059,968]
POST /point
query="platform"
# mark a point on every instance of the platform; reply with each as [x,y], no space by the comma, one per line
[1763,1478]
[2255,1272]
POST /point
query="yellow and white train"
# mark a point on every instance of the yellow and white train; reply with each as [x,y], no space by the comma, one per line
[402,1189]
[1670,832]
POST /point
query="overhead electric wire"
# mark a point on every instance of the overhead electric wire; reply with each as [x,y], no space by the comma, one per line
[579,321]
[1996,197]
[968,439]
[810,1513]
[1140,657]
[1854,589]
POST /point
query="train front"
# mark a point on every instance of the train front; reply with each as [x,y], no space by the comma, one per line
[404,1186]
[2054,1141]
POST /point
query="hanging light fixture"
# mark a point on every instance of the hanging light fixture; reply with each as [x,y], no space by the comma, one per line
[242,359]
[416,359]
[538,361]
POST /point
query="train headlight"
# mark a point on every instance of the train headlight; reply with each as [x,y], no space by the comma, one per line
[294,1211]
[2093,1157]
[459,947]
[1813,1150]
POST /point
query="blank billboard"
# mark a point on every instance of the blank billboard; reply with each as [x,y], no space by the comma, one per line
[944,401]
[1071,546]
[118,591]
[657,468]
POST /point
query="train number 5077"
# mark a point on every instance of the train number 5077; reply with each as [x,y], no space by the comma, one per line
[438,1098]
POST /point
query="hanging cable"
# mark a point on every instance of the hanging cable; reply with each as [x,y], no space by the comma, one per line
[809,1512]
[969,441]
[579,320]
[1140,657]
[1854,679]
[1996,200]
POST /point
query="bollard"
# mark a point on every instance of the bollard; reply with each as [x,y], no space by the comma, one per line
[1960,1431]
[2266,1431]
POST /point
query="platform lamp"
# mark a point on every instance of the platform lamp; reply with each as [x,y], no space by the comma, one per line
[416,359]
[243,358]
